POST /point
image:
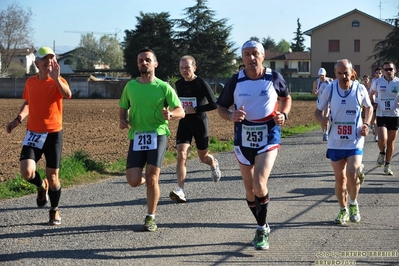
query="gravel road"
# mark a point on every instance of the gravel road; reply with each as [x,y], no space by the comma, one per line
[101,222]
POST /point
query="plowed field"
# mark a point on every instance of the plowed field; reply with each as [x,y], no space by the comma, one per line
[93,126]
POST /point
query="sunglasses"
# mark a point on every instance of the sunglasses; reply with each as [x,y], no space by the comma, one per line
[378,73]
[388,69]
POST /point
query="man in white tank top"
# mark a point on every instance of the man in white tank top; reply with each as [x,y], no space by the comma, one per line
[318,87]
[346,136]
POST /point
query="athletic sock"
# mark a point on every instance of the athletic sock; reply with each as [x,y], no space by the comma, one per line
[252,207]
[352,202]
[261,209]
[54,195]
[36,180]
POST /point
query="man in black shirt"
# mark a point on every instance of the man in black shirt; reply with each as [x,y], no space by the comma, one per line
[196,97]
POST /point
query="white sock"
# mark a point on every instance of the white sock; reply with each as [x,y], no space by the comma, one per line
[352,202]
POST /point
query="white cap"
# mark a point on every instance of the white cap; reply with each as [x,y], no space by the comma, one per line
[322,71]
[253,44]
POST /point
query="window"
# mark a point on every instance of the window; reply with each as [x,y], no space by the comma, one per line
[357,46]
[273,65]
[303,66]
[333,45]
[68,62]
[355,23]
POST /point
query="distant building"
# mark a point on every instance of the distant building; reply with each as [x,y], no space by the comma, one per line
[66,62]
[352,36]
[25,57]
[290,64]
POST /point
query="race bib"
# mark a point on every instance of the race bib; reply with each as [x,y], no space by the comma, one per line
[387,104]
[254,136]
[144,141]
[188,101]
[345,131]
[34,139]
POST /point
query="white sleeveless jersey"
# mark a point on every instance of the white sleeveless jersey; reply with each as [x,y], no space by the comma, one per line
[387,96]
[321,85]
[259,97]
[345,115]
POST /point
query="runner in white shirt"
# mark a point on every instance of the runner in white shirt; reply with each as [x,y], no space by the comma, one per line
[387,114]
[346,136]
[318,87]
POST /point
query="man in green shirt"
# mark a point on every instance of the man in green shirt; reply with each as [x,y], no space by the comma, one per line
[146,105]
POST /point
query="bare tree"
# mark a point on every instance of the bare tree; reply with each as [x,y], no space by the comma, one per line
[15,33]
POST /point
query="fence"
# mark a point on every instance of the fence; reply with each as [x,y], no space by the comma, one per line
[83,87]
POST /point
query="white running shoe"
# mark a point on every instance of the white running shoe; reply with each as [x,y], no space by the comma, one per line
[178,195]
[216,174]
[380,160]
[387,169]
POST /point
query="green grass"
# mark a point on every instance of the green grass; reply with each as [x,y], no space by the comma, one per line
[78,168]
[305,96]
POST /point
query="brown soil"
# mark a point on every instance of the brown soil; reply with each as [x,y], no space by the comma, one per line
[93,126]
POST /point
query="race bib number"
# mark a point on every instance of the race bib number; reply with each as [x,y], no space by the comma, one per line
[254,136]
[345,131]
[144,141]
[387,104]
[188,101]
[34,139]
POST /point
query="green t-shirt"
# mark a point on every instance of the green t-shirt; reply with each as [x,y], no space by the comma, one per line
[145,103]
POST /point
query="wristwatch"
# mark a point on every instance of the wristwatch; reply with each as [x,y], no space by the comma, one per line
[285,116]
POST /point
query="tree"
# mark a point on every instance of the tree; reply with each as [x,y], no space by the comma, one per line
[32,69]
[15,33]
[283,46]
[269,43]
[106,51]
[87,53]
[387,50]
[154,31]
[207,39]
[298,45]
[110,52]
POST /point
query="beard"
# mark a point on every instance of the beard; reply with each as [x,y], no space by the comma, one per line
[144,70]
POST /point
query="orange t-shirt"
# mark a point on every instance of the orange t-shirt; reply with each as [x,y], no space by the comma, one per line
[45,105]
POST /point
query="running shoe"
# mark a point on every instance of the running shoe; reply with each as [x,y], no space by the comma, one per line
[261,240]
[361,174]
[387,169]
[149,224]
[343,217]
[42,194]
[325,136]
[216,174]
[54,217]
[380,160]
[267,231]
[178,195]
[354,213]
[375,138]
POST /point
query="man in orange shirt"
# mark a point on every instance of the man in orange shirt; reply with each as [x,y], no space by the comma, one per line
[43,96]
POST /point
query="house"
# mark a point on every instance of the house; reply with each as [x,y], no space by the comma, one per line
[352,36]
[66,62]
[25,57]
[291,64]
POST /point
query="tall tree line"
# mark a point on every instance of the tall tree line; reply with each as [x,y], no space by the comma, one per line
[198,34]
